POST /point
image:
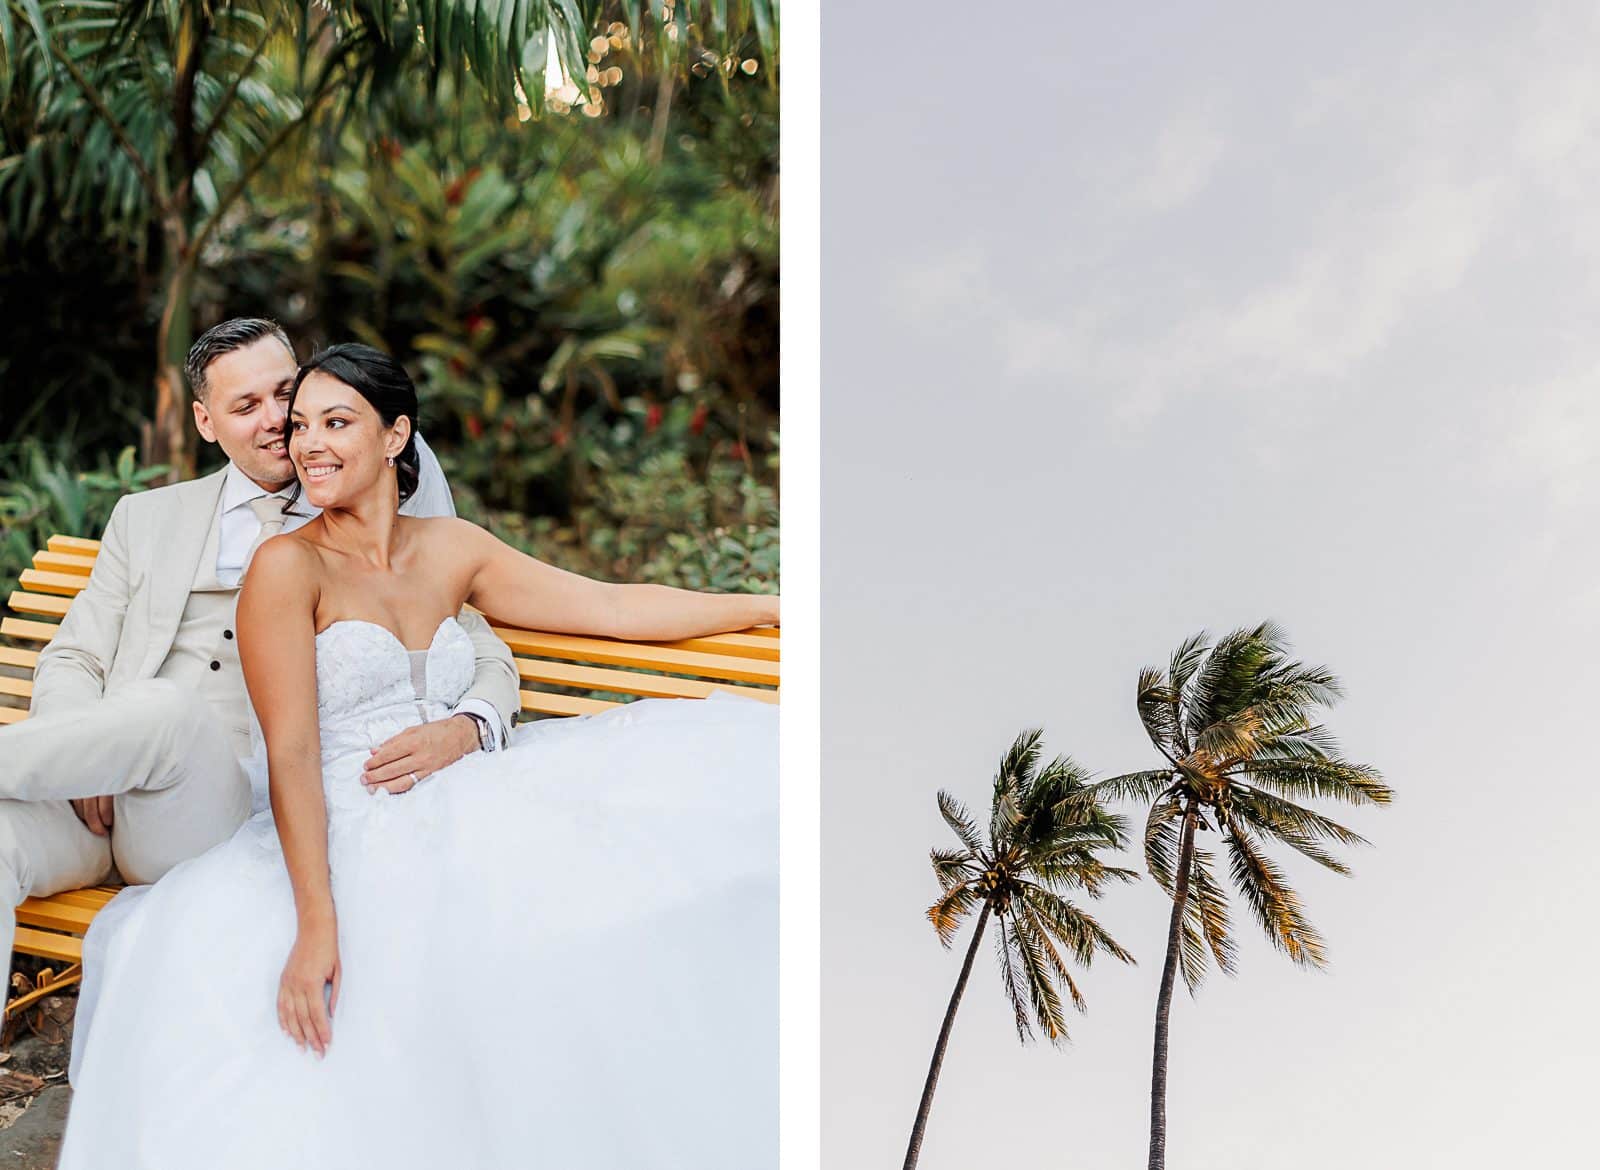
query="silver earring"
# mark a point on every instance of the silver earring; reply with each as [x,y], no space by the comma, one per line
[391,461]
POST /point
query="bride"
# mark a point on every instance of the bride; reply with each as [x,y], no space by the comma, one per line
[562,954]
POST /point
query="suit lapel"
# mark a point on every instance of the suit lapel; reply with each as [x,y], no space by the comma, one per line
[180,539]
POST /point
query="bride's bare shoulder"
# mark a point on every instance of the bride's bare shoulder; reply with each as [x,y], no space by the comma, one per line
[287,569]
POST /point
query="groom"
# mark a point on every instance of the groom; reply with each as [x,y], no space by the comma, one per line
[140,718]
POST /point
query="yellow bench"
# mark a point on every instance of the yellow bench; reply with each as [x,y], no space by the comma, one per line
[561,675]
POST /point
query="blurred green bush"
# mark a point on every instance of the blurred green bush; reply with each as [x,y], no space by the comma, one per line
[588,301]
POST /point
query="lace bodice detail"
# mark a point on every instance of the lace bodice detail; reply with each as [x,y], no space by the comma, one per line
[366,676]
[363,670]
[369,688]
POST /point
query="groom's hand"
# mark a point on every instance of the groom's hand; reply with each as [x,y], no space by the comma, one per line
[95,813]
[401,763]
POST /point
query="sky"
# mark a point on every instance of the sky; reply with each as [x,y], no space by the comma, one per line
[1148,320]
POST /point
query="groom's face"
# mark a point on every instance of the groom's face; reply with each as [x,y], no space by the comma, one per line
[242,411]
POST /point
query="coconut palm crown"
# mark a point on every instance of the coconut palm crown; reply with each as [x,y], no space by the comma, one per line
[1044,834]
[1234,723]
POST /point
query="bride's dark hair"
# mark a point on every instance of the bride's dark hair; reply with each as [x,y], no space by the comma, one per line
[384,383]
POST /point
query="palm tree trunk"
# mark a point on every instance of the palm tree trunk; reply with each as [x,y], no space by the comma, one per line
[167,440]
[1169,977]
[914,1150]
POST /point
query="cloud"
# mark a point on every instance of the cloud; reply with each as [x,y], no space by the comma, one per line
[1179,166]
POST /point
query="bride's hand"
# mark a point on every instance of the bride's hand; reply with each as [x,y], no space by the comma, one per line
[313,965]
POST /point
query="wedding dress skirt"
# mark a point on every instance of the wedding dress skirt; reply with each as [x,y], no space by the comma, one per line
[560,955]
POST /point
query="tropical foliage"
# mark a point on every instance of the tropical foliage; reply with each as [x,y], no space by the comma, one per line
[1235,724]
[150,121]
[582,278]
[1044,836]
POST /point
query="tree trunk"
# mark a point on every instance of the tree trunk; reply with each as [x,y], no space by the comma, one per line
[915,1148]
[1169,976]
[663,111]
[167,438]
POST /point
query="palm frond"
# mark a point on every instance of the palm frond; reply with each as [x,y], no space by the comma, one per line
[1141,786]
[947,913]
[1010,981]
[1013,784]
[1157,704]
[1275,906]
[1310,742]
[1058,966]
[955,815]
[1077,930]
[1232,738]
[1036,973]
[1207,936]
[1231,676]
[1328,779]
[1274,815]
[951,866]
[1186,660]
[1161,841]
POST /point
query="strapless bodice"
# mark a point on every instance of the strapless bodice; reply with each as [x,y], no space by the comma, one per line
[370,688]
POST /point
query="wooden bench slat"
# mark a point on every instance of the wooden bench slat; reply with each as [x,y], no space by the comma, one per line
[610,653]
[545,703]
[655,686]
[39,603]
[55,914]
[66,948]
[12,715]
[66,584]
[10,656]
[31,631]
[54,562]
[21,687]
[93,897]
[75,545]
[734,645]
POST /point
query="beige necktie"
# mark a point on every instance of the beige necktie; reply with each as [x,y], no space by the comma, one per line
[268,510]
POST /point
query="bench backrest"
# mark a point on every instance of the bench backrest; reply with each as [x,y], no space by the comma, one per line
[561,674]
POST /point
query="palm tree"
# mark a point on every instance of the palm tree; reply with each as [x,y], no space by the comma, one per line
[1234,724]
[151,120]
[1044,831]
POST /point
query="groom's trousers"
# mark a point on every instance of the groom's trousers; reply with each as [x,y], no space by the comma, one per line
[157,749]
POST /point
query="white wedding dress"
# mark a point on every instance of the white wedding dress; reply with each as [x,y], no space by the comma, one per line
[560,955]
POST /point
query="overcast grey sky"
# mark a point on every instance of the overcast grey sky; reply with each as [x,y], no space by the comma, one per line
[1143,320]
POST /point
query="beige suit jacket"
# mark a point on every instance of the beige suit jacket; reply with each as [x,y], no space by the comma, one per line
[122,625]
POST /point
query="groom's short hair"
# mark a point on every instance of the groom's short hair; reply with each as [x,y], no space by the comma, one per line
[232,334]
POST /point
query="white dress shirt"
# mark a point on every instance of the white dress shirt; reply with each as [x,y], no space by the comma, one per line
[238,528]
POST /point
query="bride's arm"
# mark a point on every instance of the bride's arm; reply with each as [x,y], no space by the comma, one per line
[277,648]
[516,588]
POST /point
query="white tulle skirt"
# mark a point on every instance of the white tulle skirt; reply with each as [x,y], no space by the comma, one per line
[562,955]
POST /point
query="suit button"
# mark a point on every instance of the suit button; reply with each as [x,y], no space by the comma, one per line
[228,634]
[216,666]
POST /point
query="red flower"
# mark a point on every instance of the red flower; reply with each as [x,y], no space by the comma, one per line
[652,418]
[476,322]
[391,148]
[739,451]
[457,191]
[697,422]
[561,437]
[474,426]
